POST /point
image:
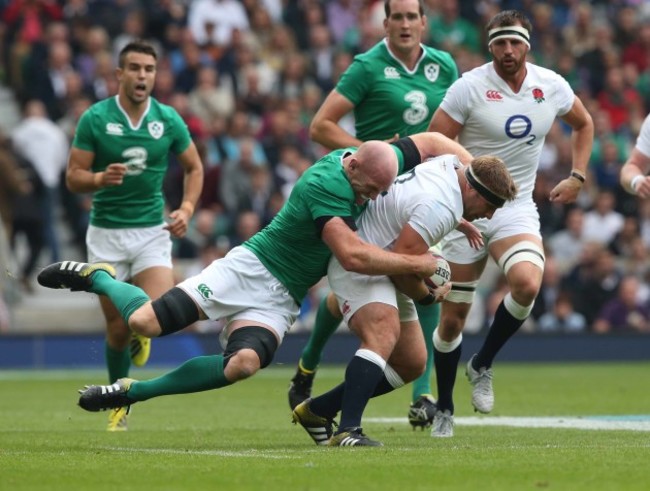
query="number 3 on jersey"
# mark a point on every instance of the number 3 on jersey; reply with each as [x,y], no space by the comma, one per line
[135,159]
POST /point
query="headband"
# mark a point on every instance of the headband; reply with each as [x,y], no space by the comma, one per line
[482,189]
[509,32]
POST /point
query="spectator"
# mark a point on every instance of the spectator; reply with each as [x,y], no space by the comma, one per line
[49,159]
[566,245]
[625,312]
[602,223]
[211,97]
[448,30]
[563,318]
[213,21]
[593,282]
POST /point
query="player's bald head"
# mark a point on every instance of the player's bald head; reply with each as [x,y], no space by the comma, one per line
[378,161]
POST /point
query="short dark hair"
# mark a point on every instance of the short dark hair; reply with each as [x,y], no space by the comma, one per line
[137,47]
[509,18]
[387,7]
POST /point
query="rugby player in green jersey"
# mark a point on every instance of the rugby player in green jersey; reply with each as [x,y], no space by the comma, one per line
[258,286]
[120,154]
[392,90]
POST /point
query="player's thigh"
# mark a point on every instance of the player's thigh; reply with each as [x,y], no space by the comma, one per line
[155,280]
[353,291]
[377,326]
[239,288]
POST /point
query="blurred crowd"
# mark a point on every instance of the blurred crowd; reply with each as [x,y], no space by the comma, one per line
[248,75]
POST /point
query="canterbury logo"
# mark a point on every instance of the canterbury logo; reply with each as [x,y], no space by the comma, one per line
[493,95]
[71,266]
[204,290]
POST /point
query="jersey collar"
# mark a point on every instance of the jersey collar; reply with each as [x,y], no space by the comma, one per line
[128,119]
[417,64]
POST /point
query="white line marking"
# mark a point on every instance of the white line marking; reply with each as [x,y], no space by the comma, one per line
[257,454]
[630,423]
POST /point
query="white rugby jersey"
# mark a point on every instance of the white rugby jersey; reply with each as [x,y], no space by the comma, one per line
[427,197]
[496,121]
[643,140]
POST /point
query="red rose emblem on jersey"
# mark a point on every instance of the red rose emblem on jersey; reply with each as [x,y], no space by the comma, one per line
[538,95]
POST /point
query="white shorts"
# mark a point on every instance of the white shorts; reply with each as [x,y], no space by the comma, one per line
[354,290]
[129,250]
[239,287]
[514,219]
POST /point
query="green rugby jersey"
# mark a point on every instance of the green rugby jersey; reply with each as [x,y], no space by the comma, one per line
[388,98]
[290,247]
[105,130]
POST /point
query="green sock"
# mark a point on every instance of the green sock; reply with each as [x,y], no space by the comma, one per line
[127,298]
[429,318]
[324,327]
[195,375]
[117,362]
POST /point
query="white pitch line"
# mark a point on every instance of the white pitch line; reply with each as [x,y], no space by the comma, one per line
[257,454]
[635,423]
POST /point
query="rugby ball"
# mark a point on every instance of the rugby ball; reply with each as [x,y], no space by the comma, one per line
[442,274]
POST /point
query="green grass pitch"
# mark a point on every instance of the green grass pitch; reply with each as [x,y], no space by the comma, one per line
[241,438]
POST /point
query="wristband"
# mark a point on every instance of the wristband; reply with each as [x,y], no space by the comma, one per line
[634,183]
[428,300]
[578,176]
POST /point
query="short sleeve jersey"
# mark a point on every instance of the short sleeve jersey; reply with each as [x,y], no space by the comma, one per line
[513,126]
[290,247]
[643,140]
[428,198]
[105,130]
[389,98]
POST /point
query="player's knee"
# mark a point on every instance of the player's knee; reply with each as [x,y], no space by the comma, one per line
[241,365]
[523,265]
[144,322]
[452,322]
[248,350]
[415,366]
[524,289]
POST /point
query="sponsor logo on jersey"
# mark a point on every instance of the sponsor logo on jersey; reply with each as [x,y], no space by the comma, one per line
[204,290]
[431,71]
[493,95]
[538,95]
[391,72]
[156,129]
[114,129]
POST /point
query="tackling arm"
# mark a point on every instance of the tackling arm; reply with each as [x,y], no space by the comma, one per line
[356,255]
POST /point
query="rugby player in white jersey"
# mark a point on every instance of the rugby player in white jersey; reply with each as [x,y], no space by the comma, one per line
[417,211]
[634,173]
[503,108]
